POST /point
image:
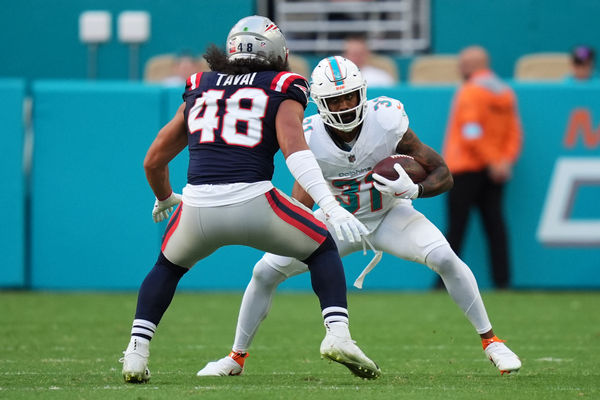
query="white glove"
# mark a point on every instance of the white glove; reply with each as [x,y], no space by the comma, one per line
[162,208]
[403,187]
[344,223]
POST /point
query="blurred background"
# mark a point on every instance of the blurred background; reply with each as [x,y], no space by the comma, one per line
[86,85]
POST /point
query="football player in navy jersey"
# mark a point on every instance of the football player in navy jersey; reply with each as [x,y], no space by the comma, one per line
[233,121]
[348,137]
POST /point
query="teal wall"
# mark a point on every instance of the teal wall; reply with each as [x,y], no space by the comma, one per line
[40,38]
[12,194]
[90,209]
[89,221]
[91,225]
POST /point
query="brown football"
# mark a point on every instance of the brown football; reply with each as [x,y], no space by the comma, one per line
[386,169]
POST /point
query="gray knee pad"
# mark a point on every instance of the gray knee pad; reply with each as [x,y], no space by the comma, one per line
[266,275]
[443,260]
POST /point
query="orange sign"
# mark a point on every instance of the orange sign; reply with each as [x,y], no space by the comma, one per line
[580,123]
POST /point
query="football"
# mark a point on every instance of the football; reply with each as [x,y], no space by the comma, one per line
[415,171]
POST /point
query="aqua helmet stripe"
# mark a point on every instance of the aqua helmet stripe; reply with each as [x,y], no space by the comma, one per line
[335,69]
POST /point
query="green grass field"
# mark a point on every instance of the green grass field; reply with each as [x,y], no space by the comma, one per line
[66,346]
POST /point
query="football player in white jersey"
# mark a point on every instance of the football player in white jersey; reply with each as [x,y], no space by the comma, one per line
[348,137]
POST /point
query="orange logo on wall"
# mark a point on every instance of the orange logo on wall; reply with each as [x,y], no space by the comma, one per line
[580,123]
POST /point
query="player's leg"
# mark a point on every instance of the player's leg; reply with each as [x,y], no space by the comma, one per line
[295,232]
[327,277]
[462,287]
[154,297]
[180,250]
[407,234]
[492,217]
[267,274]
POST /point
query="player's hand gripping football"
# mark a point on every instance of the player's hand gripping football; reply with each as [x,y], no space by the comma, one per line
[403,187]
[344,223]
[162,208]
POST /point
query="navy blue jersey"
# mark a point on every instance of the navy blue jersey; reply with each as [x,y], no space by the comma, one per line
[231,123]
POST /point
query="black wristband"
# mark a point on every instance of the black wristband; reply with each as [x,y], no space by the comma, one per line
[420,189]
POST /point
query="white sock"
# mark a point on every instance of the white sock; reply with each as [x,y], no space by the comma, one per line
[142,329]
[461,285]
[333,315]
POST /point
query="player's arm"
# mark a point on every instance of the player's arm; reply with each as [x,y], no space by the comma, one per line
[169,142]
[304,167]
[439,179]
[288,123]
[300,194]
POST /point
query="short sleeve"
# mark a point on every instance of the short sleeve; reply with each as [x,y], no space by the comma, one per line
[191,83]
[293,86]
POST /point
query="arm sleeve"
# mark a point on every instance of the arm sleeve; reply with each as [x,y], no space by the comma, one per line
[306,171]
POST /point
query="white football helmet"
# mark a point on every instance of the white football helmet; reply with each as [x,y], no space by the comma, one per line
[256,37]
[336,76]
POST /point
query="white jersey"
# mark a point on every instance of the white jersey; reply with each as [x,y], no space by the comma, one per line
[349,172]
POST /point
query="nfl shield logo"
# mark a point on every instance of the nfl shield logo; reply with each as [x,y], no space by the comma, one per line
[351,158]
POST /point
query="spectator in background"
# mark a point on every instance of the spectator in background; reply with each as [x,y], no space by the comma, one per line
[582,65]
[184,67]
[357,51]
[482,144]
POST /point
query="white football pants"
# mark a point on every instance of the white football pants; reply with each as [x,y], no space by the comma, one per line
[270,222]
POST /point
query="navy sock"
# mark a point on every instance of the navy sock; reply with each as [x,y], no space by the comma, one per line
[157,290]
[327,275]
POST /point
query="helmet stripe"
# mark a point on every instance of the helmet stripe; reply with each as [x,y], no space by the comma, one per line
[335,69]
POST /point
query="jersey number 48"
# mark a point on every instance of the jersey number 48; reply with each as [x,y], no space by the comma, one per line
[203,116]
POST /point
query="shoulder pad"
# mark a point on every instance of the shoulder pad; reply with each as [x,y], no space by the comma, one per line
[283,80]
[291,85]
[389,113]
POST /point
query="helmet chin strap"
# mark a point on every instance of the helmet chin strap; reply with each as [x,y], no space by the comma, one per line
[346,130]
[337,121]
[346,115]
